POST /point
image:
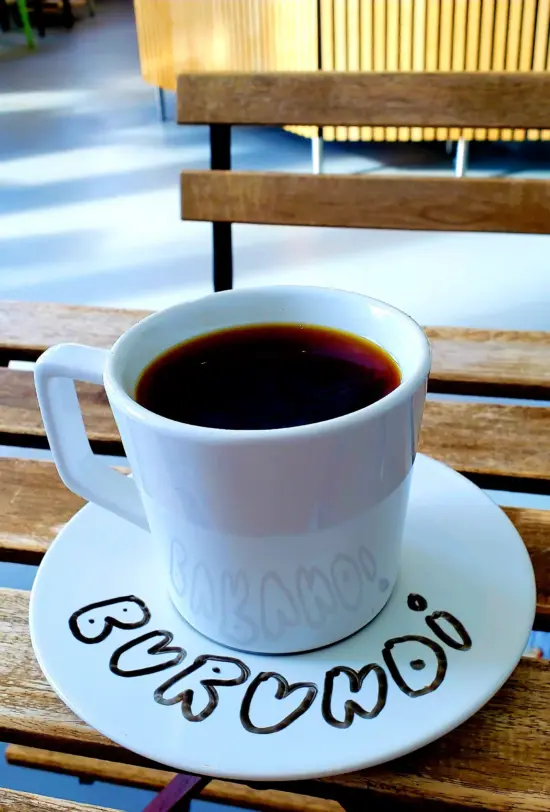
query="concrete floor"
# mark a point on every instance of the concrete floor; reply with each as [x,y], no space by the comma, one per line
[89,203]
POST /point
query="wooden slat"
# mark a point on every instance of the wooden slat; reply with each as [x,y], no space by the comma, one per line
[509,363]
[28,328]
[459,48]
[421,203]
[432,50]
[35,505]
[498,760]
[485,441]
[540,48]
[485,48]
[224,792]
[367,49]
[339,20]
[353,38]
[499,35]
[21,423]
[527,46]
[488,441]
[445,45]
[512,30]
[326,20]
[472,46]
[386,99]
[406,33]
[12,801]
[534,528]
[490,362]
[379,51]
[419,50]
[392,47]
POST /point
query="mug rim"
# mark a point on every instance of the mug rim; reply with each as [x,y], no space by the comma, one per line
[124,401]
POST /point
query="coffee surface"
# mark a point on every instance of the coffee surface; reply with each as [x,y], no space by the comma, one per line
[267,376]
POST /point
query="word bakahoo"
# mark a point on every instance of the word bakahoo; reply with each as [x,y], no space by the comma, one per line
[94,623]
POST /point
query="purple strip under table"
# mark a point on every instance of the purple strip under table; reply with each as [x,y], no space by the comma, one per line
[177,794]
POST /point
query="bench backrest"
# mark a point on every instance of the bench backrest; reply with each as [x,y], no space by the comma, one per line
[315,98]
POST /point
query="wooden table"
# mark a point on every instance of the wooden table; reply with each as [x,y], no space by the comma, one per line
[498,760]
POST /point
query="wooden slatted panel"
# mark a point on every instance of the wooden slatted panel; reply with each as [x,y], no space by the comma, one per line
[392,48]
[379,48]
[304,56]
[224,792]
[485,48]
[367,49]
[427,203]
[35,505]
[419,50]
[486,441]
[508,363]
[353,39]
[540,48]
[186,35]
[473,33]
[525,60]
[445,49]
[432,52]
[515,359]
[499,51]
[12,801]
[155,42]
[406,33]
[398,99]
[489,762]
[326,18]
[459,49]
[339,21]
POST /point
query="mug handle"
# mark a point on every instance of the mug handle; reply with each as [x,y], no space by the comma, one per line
[81,471]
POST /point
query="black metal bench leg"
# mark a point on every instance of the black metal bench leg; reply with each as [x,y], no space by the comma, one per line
[39,17]
[68,16]
[220,158]
[4,16]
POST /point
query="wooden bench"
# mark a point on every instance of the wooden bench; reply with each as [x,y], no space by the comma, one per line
[498,760]
[488,760]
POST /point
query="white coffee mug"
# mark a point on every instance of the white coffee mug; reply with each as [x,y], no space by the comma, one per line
[277,540]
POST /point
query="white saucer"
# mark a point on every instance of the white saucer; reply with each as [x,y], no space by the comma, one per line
[466,589]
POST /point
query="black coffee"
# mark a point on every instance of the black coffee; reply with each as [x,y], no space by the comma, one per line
[267,376]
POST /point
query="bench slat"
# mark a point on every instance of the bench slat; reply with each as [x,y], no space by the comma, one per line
[344,98]
[35,505]
[482,440]
[224,792]
[506,362]
[489,761]
[28,328]
[484,361]
[516,205]
[12,801]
